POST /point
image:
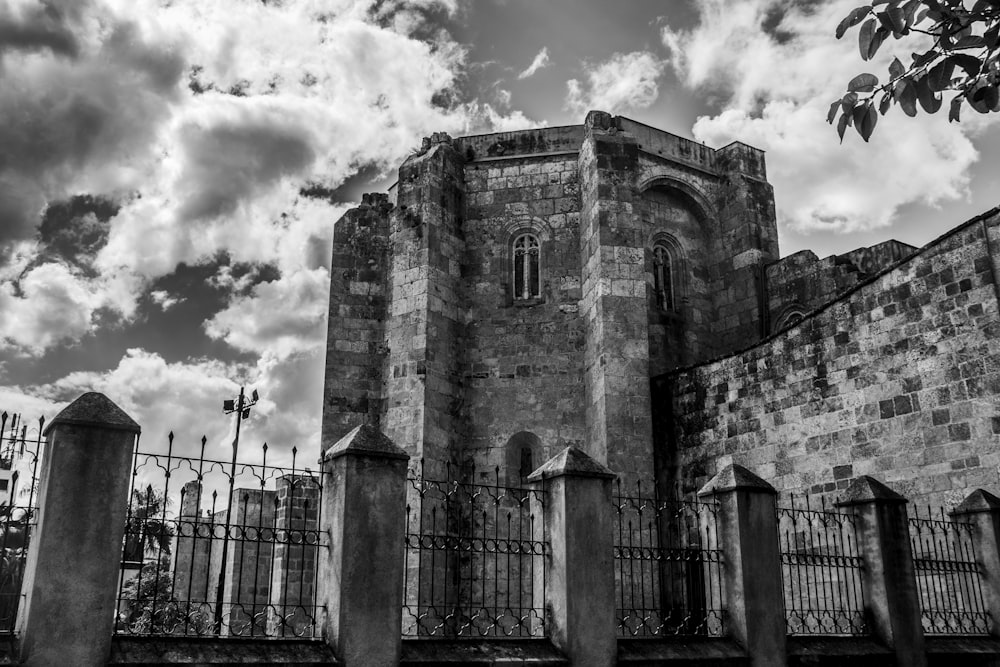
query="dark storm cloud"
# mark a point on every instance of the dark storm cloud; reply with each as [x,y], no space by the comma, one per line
[43,26]
[66,122]
[226,164]
[73,230]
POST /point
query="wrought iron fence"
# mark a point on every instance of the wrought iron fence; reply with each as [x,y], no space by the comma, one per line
[821,570]
[20,449]
[948,576]
[475,559]
[668,575]
[220,548]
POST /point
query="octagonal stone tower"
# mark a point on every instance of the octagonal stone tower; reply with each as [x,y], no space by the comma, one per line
[515,292]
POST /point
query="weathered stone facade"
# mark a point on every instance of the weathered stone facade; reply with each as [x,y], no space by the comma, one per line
[430,339]
[809,371]
[898,378]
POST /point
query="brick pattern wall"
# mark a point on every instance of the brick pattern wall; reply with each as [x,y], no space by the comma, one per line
[900,379]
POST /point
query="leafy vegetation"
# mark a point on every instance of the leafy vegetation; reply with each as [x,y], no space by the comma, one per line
[963,59]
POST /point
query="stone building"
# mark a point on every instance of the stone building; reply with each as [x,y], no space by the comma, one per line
[618,288]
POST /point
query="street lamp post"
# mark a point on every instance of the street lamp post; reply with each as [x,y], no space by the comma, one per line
[241,406]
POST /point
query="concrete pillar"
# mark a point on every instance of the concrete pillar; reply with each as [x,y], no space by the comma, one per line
[71,576]
[580,585]
[361,573]
[888,575]
[748,538]
[982,510]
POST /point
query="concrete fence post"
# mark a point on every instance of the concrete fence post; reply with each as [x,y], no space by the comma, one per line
[361,573]
[748,538]
[580,585]
[71,575]
[982,510]
[888,575]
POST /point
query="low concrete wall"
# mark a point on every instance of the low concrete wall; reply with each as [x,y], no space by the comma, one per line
[535,652]
[157,651]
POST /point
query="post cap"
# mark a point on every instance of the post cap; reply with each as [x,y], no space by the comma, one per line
[735,477]
[866,489]
[365,440]
[571,462]
[94,409]
[978,502]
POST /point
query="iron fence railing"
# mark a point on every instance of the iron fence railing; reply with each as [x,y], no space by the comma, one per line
[821,570]
[220,548]
[20,451]
[668,576]
[948,576]
[475,560]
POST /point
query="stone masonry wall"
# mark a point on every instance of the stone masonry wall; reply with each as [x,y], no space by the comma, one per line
[522,369]
[802,282]
[353,388]
[899,379]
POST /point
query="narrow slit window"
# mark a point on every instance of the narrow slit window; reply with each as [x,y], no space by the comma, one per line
[527,278]
[663,283]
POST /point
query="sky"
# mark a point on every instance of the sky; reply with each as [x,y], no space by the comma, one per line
[171,171]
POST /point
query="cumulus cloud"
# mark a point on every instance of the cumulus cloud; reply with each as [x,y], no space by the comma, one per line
[76,113]
[49,304]
[624,81]
[164,299]
[282,317]
[186,398]
[541,60]
[277,95]
[774,68]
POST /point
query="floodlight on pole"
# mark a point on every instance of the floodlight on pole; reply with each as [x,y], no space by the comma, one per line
[241,406]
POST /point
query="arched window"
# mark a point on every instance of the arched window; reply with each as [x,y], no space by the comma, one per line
[526,267]
[790,317]
[663,277]
[522,457]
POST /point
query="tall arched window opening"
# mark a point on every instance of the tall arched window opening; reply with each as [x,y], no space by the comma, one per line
[663,279]
[527,262]
[524,450]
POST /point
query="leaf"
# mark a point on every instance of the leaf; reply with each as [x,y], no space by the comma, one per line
[865,125]
[992,36]
[856,16]
[956,106]
[863,83]
[884,103]
[939,77]
[832,114]
[848,101]
[921,59]
[896,68]
[985,99]
[897,21]
[865,36]
[910,11]
[970,42]
[929,99]
[907,98]
[842,126]
[970,64]
[876,42]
